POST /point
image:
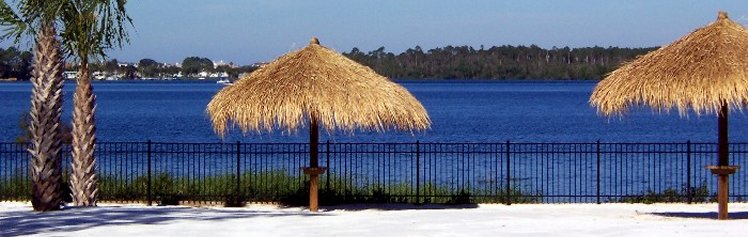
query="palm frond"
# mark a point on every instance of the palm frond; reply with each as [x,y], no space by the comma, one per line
[92,27]
[12,24]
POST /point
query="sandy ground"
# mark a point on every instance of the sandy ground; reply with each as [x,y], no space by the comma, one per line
[17,219]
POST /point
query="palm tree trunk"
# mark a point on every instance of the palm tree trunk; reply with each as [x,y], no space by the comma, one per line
[83,180]
[46,108]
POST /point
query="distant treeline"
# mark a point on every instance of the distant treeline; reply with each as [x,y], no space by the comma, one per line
[15,63]
[498,62]
[462,62]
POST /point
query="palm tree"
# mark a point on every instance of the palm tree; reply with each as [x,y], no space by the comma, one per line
[39,18]
[91,27]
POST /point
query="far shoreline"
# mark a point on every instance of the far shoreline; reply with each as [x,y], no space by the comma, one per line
[467,80]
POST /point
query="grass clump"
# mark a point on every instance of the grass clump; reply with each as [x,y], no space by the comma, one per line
[693,194]
[280,186]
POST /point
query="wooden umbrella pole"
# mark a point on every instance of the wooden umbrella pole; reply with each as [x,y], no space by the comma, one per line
[723,150]
[723,169]
[313,170]
[313,144]
[723,161]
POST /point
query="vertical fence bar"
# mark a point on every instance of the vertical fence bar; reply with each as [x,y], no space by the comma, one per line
[418,172]
[689,192]
[508,175]
[327,163]
[4,174]
[598,171]
[238,171]
[250,153]
[148,170]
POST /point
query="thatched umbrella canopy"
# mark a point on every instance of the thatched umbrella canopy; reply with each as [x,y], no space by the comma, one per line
[316,83]
[311,86]
[705,71]
[699,72]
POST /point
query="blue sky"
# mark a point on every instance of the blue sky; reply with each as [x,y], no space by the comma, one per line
[244,31]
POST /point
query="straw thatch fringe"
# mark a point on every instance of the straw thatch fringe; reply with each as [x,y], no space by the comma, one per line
[699,71]
[316,82]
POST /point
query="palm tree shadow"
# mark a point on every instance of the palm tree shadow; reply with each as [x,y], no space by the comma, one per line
[26,222]
[702,215]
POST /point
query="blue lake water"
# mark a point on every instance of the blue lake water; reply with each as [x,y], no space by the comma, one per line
[461,111]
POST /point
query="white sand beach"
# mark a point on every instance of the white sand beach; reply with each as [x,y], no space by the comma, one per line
[17,219]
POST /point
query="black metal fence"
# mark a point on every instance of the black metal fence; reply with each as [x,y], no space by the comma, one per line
[398,172]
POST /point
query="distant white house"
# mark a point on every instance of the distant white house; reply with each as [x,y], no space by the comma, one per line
[218,74]
[218,63]
[165,65]
[99,75]
[260,64]
[73,75]
[70,75]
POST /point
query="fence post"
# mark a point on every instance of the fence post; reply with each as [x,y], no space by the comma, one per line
[598,171]
[689,192]
[508,175]
[418,172]
[148,170]
[327,163]
[238,170]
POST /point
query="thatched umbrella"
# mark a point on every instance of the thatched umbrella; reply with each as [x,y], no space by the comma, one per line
[313,87]
[705,71]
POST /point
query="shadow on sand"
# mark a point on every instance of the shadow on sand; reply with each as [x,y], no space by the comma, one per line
[703,215]
[26,222]
[396,207]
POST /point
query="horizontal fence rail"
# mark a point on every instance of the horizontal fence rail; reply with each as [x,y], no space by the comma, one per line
[417,172]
